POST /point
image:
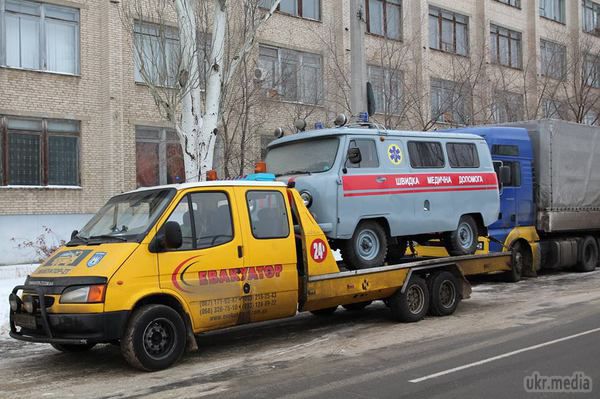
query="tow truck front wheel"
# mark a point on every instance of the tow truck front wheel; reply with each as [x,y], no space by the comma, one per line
[155,338]
[412,304]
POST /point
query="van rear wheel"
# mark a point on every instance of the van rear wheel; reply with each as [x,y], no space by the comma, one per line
[463,240]
[367,248]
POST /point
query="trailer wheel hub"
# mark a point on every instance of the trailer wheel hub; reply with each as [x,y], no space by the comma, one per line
[415,298]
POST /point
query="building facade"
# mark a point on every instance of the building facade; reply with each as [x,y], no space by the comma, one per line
[78,124]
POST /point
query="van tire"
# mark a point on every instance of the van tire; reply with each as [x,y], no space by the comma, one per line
[396,250]
[588,255]
[73,348]
[444,293]
[138,341]
[463,240]
[413,304]
[367,248]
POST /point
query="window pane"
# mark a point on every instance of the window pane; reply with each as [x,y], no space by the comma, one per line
[23,41]
[462,155]
[310,9]
[425,154]
[212,219]
[376,17]
[61,46]
[63,126]
[289,6]
[63,160]
[462,41]
[394,21]
[147,164]
[289,80]
[515,53]
[64,13]
[175,165]
[376,78]
[503,50]
[447,35]
[24,159]
[25,124]
[368,152]
[22,6]
[182,216]
[268,215]
[434,34]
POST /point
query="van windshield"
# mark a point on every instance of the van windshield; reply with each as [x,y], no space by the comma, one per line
[125,217]
[307,156]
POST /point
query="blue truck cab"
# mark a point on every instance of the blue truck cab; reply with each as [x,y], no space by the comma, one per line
[511,147]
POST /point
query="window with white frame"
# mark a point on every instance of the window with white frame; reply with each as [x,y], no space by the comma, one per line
[450,102]
[512,3]
[308,9]
[156,54]
[591,17]
[506,47]
[507,107]
[553,9]
[39,36]
[387,88]
[290,74]
[448,31]
[554,59]
[39,152]
[384,18]
[159,156]
[591,70]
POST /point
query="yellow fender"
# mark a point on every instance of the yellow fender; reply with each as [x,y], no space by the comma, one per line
[529,234]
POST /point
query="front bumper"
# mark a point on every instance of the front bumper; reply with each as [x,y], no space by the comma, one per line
[62,328]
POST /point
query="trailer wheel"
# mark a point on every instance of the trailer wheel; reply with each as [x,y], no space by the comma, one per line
[396,250]
[73,348]
[324,312]
[444,293]
[367,247]
[354,307]
[463,240]
[588,255]
[412,304]
[154,339]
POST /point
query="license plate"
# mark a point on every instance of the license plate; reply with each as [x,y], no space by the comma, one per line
[25,321]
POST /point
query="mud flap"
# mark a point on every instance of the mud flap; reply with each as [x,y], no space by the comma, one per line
[466,288]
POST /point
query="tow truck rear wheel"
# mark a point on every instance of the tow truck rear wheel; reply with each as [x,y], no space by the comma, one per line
[412,304]
[73,348]
[444,291]
[154,339]
[367,248]
[463,240]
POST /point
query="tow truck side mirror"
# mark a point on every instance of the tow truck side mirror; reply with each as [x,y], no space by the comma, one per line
[168,237]
[74,234]
[354,155]
[505,175]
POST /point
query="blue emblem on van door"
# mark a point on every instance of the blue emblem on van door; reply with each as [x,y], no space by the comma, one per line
[94,260]
[395,154]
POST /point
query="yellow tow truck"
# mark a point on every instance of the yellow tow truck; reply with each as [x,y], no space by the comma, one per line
[157,266]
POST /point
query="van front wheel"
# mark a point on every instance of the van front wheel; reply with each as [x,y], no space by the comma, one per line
[367,248]
[155,338]
[463,240]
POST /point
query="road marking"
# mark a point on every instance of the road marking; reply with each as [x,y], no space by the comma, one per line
[505,355]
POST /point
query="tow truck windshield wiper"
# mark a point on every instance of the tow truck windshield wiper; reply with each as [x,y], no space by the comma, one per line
[107,236]
[293,172]
[77,237]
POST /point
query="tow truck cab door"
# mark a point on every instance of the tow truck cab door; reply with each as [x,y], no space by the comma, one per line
[270,283]
[206,269]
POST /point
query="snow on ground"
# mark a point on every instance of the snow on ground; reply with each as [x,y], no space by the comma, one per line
[9,277]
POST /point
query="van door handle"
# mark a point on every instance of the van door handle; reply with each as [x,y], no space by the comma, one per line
[381,179]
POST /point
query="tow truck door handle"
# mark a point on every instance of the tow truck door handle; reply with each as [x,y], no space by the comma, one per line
[240,250]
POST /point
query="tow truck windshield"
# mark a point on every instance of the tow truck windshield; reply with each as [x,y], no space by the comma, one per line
[306,156]
[126,217]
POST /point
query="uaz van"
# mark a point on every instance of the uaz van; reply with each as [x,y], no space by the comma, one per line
[372,190]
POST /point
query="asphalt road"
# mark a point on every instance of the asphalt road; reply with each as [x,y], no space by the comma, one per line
[503,334]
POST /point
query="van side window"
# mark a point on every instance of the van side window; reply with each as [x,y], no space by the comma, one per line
[426,154]
[462,155]
[368,152]
[268,215]
[205,220]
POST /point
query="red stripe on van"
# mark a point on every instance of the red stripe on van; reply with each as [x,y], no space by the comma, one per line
[424,190]
[419,181]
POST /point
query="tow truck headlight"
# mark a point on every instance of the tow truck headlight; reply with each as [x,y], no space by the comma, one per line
[307,198]
[29,304]
[84,294]
[15,302]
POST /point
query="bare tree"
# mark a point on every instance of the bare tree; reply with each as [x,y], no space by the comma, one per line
[186,83]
